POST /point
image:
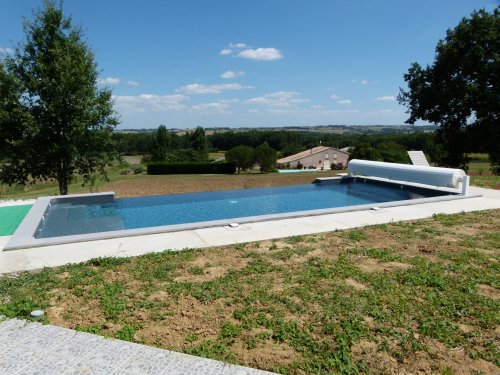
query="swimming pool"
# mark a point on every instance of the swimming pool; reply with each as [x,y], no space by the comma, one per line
[65,219]
[77,218]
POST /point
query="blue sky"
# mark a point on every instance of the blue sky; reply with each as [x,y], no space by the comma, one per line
[254,63]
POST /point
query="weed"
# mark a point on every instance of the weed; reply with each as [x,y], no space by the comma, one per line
[196,271]
[295,239]
[355,235]
[113,301]
[191,338]
[94,329]
[230,331]
[126,333]
[213,349]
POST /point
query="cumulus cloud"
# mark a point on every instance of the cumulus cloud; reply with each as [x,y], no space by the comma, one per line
[335,97]
[283,99]
[388,98]
[149,102]
[262,54]
[225,51]
[132,83]
[6,50]
[198,88]
[345,101]
[364,82]
[108,81]
[232,74]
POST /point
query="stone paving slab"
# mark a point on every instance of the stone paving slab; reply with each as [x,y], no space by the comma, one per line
[33,348]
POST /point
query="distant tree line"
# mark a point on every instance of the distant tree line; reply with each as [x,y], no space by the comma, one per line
[194,146]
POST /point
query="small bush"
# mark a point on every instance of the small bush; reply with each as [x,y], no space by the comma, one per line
[138,170]
[190,168]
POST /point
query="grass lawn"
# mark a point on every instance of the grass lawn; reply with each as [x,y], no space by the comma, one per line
[414,297]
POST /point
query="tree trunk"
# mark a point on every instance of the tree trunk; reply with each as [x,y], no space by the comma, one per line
[63,185]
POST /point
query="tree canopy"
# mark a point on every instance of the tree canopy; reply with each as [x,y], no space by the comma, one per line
[54,119]
[240,156]
[161,144]
[199,143]
[265,156]
[460,90]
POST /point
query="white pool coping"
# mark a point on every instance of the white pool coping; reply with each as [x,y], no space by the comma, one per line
[57,255]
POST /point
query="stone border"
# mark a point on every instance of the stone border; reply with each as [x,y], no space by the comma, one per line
[23,237]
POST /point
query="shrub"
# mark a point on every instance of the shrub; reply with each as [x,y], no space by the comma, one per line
[138,170]
[190,168]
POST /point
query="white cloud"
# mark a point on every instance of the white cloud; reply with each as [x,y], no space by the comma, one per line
[364,82]
[232,74]
[238,45]
[345,101]
[198,88]
[225,51]
[214,107]
[335,97]
[317,107]
[262,54]
[287,99]
[387,98]
[6,50]
[149,102]
[108,81]
[229,101]
[132,83]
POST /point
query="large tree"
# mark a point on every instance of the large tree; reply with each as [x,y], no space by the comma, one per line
[161,144]
[199,143]
[460,91]
[54,119]
[265,156]
[240,156]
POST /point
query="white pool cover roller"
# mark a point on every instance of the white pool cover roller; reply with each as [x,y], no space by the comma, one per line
[436,176]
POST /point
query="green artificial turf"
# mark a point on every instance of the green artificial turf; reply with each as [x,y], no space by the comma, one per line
[11,217]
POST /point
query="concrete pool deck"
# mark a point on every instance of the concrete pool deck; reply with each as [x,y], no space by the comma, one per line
[33,348]
[56,255]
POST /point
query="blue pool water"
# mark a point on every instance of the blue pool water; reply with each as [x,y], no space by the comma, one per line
[128,213]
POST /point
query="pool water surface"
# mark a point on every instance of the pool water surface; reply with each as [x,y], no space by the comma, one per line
[65,219]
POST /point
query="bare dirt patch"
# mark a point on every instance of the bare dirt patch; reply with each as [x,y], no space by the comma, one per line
[188,317]
[212,265]
[267,354]
[355,284]
[368,264]
[488,291]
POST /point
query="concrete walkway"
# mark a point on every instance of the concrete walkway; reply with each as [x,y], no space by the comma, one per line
[56,255]
[33,348]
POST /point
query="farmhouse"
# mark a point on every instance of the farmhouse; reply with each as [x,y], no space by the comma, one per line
[321,157]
